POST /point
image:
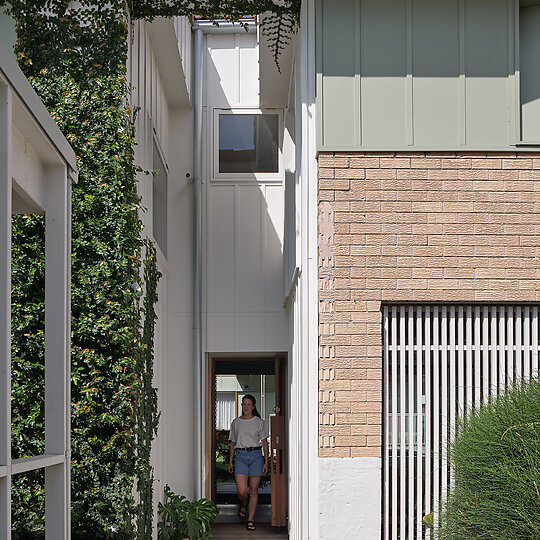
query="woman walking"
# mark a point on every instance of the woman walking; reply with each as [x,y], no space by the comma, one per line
[248,437]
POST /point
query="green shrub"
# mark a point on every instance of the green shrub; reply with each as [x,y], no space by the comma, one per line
[181,518]
[496,456]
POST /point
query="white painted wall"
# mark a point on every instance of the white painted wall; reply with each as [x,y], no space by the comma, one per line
[166,119]
[350,498]
[243,218]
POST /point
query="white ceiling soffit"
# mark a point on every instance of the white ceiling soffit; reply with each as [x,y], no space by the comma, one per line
[274,85]
[167,55]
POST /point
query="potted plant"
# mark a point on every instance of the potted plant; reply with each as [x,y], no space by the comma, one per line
[181,518]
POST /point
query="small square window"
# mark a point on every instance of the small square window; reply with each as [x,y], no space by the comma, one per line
[248,143]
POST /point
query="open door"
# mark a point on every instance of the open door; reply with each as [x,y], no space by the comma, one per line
[277,450]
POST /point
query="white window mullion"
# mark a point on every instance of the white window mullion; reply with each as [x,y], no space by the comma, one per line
[519,356]
[461,362]
[436,414]
[502,349]
[535,351]
[452,389]
[402,423]
[387,428]
[427,348]
[493,344]
[419,423]
[510,343]
[444,404]
[469,360]
[410,410]
[526,343]
[485,354]
[477,358]
[394,423]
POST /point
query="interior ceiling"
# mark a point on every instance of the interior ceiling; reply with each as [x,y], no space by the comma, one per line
[245,367]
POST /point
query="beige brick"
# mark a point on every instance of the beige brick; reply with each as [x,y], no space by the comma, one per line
[364,162]
[425,163]
[334,183]
[331,161]
[326,173]
[365,452]
[488,163]
[372,430]
[433,226]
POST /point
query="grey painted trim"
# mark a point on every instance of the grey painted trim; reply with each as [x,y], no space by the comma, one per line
[24,91]
[36,462]
[520,147]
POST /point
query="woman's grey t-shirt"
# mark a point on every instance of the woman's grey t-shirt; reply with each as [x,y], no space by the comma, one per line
[248,433]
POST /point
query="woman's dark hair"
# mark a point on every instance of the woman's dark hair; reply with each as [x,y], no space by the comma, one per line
[254,401]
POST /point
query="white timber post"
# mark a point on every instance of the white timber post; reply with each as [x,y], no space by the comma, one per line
[5,312]
[57,352]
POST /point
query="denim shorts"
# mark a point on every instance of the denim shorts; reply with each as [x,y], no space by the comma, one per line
[248,463]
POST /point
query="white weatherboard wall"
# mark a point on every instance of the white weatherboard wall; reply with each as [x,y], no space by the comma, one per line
[243,218]
[165,121]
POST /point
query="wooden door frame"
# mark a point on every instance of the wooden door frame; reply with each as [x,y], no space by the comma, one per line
[210,487]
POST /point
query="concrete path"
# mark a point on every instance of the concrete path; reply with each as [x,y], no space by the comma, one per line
[228,531]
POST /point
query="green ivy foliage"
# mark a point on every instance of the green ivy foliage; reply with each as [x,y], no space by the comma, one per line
[75,60]
[27,370]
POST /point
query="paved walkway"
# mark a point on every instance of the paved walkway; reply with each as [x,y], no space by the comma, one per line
[227,531]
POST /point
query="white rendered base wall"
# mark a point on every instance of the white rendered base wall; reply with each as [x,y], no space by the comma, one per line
[350,498]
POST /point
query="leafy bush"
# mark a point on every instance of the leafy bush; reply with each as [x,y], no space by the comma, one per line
[182,518]
[496,455]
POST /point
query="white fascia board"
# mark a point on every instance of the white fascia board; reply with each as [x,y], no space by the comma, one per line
[167,55]
[29,113]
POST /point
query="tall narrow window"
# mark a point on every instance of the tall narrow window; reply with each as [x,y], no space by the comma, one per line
[248,143]
[440,362]
[159,194]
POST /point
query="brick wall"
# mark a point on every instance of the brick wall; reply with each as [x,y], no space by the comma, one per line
[426,226]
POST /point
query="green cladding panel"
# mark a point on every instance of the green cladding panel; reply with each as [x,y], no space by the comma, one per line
[427,74]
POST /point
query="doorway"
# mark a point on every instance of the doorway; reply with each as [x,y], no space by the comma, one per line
[230,380]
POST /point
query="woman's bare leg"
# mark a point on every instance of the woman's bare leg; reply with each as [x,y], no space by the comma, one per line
[242,488]
[254,482]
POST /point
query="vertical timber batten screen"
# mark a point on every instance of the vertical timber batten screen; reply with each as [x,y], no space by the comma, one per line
[440,361]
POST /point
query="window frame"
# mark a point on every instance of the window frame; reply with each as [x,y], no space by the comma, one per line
[156,144]
[246,177]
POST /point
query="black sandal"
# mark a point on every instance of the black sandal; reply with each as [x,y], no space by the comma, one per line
[242,513]
[250,526]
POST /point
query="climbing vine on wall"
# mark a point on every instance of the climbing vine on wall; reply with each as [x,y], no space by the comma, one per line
[75,58]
